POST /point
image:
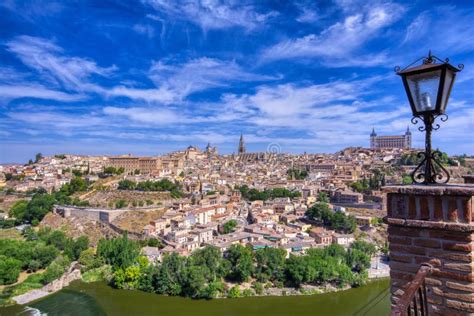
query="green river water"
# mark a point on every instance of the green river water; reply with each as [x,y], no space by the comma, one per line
[99,299]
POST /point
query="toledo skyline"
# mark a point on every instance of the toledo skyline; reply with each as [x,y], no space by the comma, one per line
[156,76]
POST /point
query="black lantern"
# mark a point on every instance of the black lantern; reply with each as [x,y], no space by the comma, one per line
[428,87]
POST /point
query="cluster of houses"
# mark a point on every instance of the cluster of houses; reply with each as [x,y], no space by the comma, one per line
[278,223]
[212,183]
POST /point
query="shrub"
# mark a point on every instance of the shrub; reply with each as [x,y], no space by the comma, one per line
[89,260]
[120,204]
[258,288]
[247,293]
[33,266]
[9,270]
[234,292]
[103,273]
[73,248]
[56,269]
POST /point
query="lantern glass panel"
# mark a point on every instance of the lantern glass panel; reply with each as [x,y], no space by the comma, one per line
[448,82]
[424,90]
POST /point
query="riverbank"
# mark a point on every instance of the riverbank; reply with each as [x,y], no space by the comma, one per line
[72,274]
[100,299]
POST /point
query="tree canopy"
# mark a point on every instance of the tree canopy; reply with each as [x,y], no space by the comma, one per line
[321,212]
[254,194]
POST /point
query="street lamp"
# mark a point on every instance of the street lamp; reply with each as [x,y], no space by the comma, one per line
[428,87]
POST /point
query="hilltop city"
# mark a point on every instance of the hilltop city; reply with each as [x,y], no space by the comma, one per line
[196,199]
[266,194]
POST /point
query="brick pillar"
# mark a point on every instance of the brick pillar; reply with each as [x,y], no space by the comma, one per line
[433,222]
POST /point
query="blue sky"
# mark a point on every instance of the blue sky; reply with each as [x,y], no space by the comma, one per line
[153,76]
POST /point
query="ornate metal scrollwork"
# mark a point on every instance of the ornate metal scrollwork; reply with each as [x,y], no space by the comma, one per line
[430,59]
[429,170]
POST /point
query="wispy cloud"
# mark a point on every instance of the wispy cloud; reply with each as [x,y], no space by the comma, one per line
[200,74]
[47,58]
[340,40]
[175,81]
[292,100]
[36,91]
[62,121]
[144,29]
[31,10]
[154,117]
[442,29]
[212,14]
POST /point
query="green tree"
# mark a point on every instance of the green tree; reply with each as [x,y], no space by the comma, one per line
[127,278]
[229,226]
[38,157]
[297,174]
[234,292]
[211,258]
[19,210]
[9,270]
[334,250]
[316,211]
[119,252]
[195,281]
[323,197]
[127,185]
[213,289]
[74,247]
[270,264]
[154,242]
[38,207]
[357,260]
[297,270]
[89,260]
[241,259]
[171,275]
[365,247]
[56,269]
[56,238]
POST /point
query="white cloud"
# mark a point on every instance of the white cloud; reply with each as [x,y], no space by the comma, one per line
[62,121]
[36,91]
[33,10]
[340,40]
[309,12]
[291,100]
[150,116]
[418,27]
[161,95]
[444,30]
[212,14]
[199,74]
[175,81]
[46,57]
[144,29]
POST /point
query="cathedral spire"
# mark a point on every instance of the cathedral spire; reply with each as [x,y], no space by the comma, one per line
[241,148]
[373,133]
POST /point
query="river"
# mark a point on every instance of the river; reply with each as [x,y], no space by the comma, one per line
[84,299]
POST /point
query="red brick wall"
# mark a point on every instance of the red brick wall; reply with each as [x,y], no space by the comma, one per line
[433,223]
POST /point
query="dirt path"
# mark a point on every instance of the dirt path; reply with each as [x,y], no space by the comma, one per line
[21,278]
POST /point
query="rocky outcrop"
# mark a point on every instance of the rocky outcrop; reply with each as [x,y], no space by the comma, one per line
[73,273]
